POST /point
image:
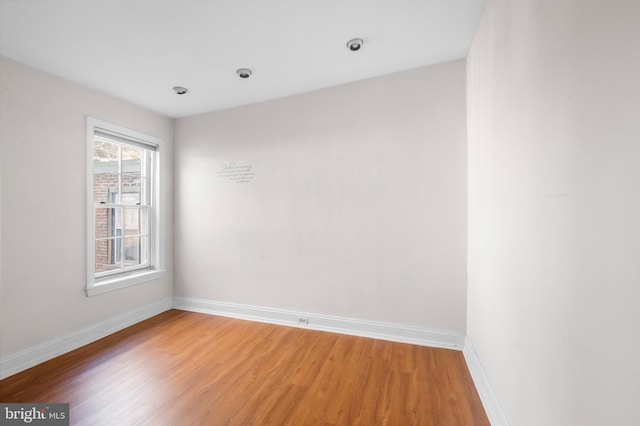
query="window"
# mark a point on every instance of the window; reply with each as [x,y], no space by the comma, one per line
[124,214]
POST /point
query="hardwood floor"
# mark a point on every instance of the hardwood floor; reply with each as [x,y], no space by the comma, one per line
[183,368]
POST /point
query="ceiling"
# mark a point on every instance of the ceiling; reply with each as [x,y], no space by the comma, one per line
[138,50]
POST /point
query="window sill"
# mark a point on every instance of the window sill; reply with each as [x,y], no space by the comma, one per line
[114,283]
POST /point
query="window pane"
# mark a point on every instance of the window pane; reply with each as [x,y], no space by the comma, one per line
[132,255]
[131,173]
[108,254]
[115,222]
[132,189]
[131,155]
[105,170]
[107,222]
[133,222]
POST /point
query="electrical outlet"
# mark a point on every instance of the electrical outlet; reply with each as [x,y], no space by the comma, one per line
[303,320]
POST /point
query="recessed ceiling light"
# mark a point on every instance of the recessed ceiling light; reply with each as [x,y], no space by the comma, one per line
[355,44]
[244,72]
[180,90]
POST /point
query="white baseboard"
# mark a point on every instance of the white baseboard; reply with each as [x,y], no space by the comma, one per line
[487,395]
[30,357]
[376,330]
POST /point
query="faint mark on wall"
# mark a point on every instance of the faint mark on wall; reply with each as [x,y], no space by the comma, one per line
[11,106]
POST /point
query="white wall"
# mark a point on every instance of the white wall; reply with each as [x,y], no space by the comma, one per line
[554,208]
[43,146]
[357,208]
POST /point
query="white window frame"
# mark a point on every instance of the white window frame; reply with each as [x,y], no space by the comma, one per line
[155,269]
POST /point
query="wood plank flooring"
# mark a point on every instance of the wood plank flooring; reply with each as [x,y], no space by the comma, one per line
[183,368]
